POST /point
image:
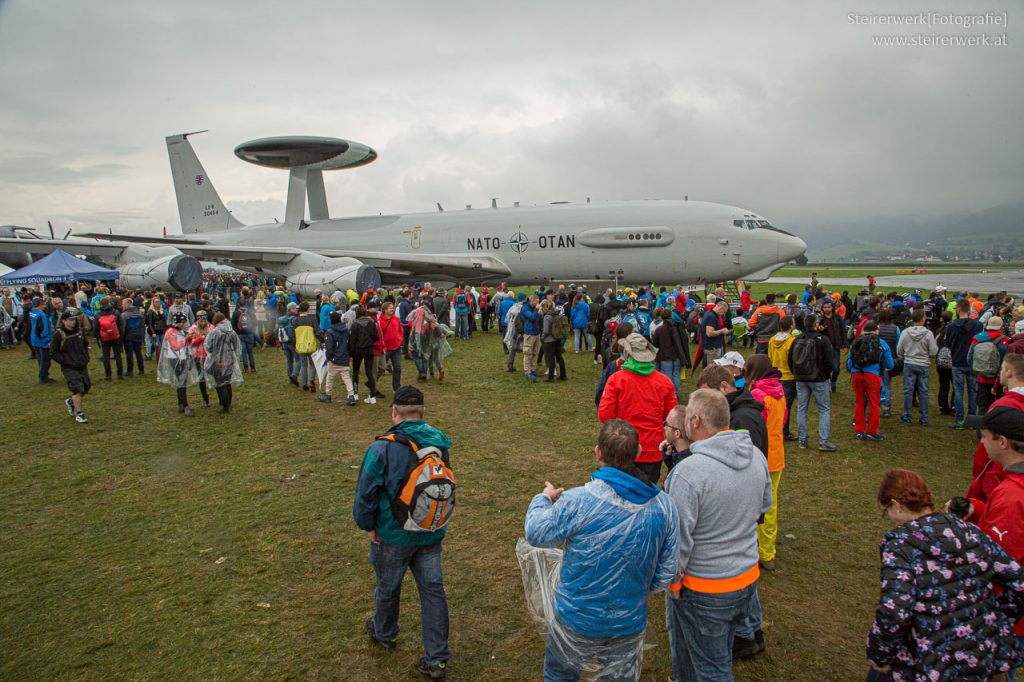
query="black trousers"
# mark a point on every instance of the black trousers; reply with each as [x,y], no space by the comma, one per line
[357,361]
[114,347]
[652,470]
[553,354]
[224,395]
[945,390]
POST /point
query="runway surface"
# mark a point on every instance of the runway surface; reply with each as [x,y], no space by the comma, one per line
[1010,281]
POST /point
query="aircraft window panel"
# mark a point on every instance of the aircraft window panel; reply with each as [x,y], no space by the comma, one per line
[738,223]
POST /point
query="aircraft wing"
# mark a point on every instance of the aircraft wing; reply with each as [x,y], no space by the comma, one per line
[104,249]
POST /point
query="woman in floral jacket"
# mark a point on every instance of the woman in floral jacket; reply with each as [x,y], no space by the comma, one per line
[939,616]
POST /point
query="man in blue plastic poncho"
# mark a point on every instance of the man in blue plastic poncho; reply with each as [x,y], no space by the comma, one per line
[621,539]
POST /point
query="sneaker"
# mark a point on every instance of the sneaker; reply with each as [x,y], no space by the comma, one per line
[434,671]
[188,412]
[906,419]
[745,648]
[293,380]
[923,422]
[827,446]
[352,400]
[511,368]
[803,445]
[370,400]
[379,395]
[886,411]
[873,436]
[80,418]
[859,435]
[70,406]
[386,643]
[959,426]
[324,398]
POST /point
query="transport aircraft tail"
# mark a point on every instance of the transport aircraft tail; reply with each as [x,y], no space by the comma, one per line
[199,206]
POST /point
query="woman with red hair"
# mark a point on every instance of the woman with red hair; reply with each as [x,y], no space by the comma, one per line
[939,616]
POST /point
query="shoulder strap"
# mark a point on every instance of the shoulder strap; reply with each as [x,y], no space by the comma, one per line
[400,438]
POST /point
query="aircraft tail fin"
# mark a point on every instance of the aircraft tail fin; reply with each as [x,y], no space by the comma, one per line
[199,206]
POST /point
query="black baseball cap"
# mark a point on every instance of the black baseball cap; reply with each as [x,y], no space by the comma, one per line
[407,395]
[1002,420]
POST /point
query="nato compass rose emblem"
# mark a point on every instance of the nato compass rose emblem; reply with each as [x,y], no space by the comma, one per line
[199,179]
[519,242]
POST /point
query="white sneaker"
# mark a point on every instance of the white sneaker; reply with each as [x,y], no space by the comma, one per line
[80,418]
[370,400]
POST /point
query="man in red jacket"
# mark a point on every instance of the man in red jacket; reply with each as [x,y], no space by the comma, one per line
[1002,516]
[643,398]
[988,473]
[390,337]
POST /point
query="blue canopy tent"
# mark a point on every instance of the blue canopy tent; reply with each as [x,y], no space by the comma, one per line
[58,267]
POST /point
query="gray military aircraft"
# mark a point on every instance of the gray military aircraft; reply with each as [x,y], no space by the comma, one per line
[677,241]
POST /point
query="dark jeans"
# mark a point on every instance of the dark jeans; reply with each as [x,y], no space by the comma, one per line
[115,348]
[182,397]
[133,356]
[395,356]
[42,356]
[945,389]
[406,333]
[389,564]
[553,354]
[248,359]
[291,357]
[789,389]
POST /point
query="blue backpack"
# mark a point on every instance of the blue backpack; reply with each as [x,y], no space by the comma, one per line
[285,329]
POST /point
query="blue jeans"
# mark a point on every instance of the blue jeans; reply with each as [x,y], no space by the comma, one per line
[885,399]
[962,375]
[916,377]
[462,325]
[396,366]
[248,359]
[752,620]
[566,653]
[581,337]
[306,372]
[389,564]
[291,357]
[421,363]
[823,399]
[133,355]
[43,358]
[670,368]
[706,625]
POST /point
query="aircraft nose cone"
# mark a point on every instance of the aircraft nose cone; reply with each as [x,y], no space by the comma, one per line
[791,247]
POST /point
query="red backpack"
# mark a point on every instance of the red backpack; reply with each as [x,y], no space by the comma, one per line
[109,332]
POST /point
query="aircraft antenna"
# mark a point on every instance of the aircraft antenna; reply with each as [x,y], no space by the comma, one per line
[440,209]
[494,203]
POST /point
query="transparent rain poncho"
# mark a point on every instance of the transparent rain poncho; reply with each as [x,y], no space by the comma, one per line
[176,367]
[223,351]
[629,550]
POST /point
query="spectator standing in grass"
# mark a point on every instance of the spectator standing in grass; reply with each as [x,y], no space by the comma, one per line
[958,336]
[176,367]
[916,349]
[221,363]
[69,348]
[810,358]
[869,357]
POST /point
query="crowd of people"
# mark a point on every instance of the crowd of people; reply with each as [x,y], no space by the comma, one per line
[685,497]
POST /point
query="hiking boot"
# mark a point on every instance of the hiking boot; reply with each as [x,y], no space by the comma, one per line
[767,565]
[511,368]
[827,446]
[959,426]
[80,418]
[70,406]
[873,436]
[421,377]
[352,400]
[293,381]
[745,648]
[387,644]
[324,398]
[440,375]
[906,419]
[434,671]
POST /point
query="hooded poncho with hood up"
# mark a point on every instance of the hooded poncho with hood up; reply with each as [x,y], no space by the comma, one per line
[938,616]
[176,367]
[222,354]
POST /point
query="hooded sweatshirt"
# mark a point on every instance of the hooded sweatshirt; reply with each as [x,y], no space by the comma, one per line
[621,542]
[720,491]
[381,478]
[917,346]
[778,353]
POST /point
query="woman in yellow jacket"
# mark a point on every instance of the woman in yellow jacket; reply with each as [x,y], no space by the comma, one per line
[764,382]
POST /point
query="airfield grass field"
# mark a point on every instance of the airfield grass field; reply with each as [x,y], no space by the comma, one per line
[145,545]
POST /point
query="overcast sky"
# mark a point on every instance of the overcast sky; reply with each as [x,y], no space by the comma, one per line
[782,108]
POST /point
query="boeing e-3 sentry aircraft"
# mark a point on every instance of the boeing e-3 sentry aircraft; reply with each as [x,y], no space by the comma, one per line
[687,242]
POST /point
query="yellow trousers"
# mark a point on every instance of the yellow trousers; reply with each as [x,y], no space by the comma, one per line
[769,530]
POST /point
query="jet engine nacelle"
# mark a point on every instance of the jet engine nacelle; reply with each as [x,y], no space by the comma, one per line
[358,277]
[179,272]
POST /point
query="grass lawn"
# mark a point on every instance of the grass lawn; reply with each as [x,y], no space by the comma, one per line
[150,546]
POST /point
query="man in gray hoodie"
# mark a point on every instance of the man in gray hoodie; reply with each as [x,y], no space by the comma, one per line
[720,491]
[916,349]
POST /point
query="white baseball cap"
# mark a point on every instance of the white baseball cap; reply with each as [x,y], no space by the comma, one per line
[731,359]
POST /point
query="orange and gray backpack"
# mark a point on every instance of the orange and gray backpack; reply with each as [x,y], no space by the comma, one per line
[427,496]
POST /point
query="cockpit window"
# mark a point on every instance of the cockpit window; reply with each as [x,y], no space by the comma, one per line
[738,223]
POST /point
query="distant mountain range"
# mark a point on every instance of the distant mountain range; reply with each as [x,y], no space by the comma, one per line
[994,231]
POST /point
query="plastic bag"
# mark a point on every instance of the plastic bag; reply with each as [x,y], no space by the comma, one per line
[619,658]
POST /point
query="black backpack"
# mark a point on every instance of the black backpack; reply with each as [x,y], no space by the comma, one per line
[865,351]
[805,358]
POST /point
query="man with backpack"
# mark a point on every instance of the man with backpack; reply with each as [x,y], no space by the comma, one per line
[109,332]
[810,359]
[916,348]
[460,299]
[244,323]
[869,355]
[984,357]
[408,463]
[285,333]
[765,322]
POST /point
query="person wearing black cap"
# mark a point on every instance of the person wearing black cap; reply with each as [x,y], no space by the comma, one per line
[70,349]
[393,549]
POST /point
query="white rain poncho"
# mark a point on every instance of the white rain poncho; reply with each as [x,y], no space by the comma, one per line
[619,542]
[176,367]
[512,337]
[223,351]
[440,348]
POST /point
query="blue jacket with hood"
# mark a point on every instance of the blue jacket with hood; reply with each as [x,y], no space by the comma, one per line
[531,320]
[336,346]
[621,542]
[381,478]
[885,360]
